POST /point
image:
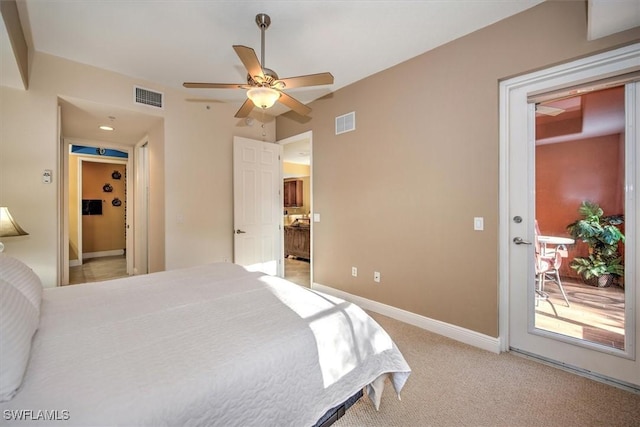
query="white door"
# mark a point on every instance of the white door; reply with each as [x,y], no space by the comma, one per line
[519,330]
[257,203]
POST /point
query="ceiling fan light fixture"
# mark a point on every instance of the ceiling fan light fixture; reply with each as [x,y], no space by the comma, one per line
[263,97]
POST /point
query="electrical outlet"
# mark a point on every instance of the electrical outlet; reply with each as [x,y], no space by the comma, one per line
[354,271]
[376,276]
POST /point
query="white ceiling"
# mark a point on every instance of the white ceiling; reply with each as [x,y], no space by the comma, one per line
[172,41]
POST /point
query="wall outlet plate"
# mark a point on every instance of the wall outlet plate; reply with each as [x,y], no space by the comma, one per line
[478,223]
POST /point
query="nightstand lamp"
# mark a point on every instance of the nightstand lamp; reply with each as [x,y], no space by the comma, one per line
[8,226]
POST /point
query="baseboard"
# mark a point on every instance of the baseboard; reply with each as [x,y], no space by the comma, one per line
[454,332]
[115,252]
[74,263]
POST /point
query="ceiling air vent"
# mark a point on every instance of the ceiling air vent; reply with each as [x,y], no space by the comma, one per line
[147,97]
[346,123]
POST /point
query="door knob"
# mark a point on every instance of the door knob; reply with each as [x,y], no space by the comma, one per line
[520,241]
[238,231]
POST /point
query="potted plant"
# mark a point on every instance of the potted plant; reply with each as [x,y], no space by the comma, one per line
[602,235]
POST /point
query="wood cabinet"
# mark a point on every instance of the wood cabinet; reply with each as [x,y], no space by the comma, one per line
[293,193]
[297,241]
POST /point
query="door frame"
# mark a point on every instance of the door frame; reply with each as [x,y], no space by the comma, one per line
[139,262]
[304,135]
[616,62]
[63,237]
[111,161]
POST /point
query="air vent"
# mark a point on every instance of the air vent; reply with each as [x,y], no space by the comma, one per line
[147,97]
[346,123]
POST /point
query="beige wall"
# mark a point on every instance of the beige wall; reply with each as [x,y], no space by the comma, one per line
[191,149]
[295,169]
[156,215]
[423,161]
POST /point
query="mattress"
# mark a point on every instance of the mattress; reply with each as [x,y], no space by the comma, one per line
[208,345]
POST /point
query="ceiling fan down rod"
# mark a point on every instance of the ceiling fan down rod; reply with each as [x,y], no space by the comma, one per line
[263,21]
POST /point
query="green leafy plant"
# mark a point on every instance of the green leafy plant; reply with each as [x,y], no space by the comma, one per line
[602,235]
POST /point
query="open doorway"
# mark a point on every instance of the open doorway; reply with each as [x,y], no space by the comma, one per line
[297,208]
[98,208]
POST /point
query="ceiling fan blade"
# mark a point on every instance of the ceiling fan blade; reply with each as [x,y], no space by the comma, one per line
[192,85]
[246,108]
[294,104]
[309,80]
[250,60]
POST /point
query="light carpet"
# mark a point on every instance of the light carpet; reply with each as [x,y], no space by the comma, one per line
[454,384]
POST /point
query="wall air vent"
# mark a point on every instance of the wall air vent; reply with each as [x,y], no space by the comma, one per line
[147,97]
[346,123]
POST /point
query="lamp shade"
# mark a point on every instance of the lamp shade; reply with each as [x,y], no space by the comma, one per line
[8,226]
[263,97]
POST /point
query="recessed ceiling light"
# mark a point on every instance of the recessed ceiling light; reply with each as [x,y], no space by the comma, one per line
[105,127]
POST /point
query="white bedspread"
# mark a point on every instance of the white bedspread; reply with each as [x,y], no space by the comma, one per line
[209,345]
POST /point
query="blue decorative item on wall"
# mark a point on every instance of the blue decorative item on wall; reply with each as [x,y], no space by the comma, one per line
[107,188]
[116,202]
[81,149]
[116,175]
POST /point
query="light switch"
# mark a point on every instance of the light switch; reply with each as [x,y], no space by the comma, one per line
[478,223]
[316,217]
[47,176]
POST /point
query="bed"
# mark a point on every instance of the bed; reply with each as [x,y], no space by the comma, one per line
[208,345]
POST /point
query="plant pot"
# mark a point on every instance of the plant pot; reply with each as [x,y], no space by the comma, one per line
[603,281]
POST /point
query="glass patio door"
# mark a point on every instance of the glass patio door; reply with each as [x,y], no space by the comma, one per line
[579,250]
[555,165]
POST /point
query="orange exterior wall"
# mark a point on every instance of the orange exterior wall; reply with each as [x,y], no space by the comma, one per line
[568,173]
[104,232]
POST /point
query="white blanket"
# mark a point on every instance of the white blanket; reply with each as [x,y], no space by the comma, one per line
[209,345]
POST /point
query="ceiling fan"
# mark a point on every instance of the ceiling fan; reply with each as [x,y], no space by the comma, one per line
[264,87]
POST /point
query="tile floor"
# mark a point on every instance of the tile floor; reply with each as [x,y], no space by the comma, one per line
[298,270]
[98,269]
